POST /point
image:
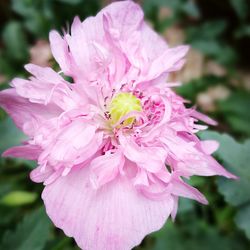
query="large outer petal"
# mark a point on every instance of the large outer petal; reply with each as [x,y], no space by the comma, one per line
[113,217]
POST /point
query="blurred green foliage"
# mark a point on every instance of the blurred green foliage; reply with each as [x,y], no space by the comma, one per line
[220,30]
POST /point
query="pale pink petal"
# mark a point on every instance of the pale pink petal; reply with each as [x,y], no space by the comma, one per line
[82,51]
[136,40]
[75,144]
[217,169]
[180,188]
[24,113]
[209,146]
[203,165]
[60,52]
[29,152]
[125,18]
[44,74]
[149,37]
[203,118]
[175,207]
[41,173]
[150,158]
[113,217]
[106,167]
[170,60]
[39,89]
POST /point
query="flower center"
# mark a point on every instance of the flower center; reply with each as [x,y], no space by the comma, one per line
[121,105]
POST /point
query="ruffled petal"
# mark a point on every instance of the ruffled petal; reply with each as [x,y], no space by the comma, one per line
[40,88]
[136,40]
[113,217]
[106,167]
[76,143]
[150,158]
[26,115]
[170,60]
[188,158]
[46,86]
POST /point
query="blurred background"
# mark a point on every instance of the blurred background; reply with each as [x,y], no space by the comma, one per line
[216,79]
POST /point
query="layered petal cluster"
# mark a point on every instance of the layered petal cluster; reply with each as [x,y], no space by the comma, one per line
[114,146]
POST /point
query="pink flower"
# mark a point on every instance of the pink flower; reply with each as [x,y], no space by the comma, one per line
[103,143]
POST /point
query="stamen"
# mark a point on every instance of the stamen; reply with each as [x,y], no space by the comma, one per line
[121,105]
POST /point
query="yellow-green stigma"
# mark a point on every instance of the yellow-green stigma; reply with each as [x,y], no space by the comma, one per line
[121,105]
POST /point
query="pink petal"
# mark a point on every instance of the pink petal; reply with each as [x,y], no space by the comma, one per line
[203,118]
[29,152]
[113,217]
[81,50]
[106,167]
[60,51]
[170,60]
[136,40]
[126,17]
[39,89]
[149,37]
[180,188]
[75,144]
[44,74]
[150,158]
[204,165]
[209,146]
[26,115]
[41,174]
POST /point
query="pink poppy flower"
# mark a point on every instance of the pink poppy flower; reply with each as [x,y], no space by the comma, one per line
[103,142]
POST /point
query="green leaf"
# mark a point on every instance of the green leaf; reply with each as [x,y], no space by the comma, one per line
[72,2]
[236,157]
[243,31]
[18,198]
[185,205]
[5,187]
[15,41]
[31,234]
[190,9]
[208,38]
[10,135]
[243,220]
[241,8]
[23,7]
[194,236]
[37,15]
[191,89]
[209,30]
[208,47]
[235,110]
